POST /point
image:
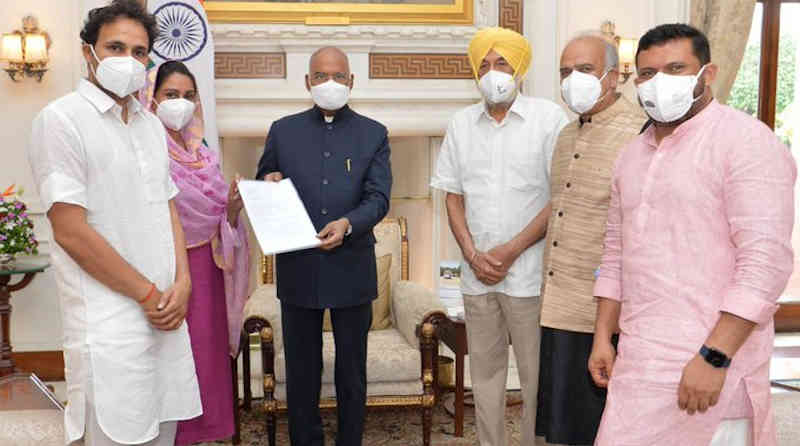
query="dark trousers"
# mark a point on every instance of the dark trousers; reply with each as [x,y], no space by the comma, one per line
[302,343]
[569,405]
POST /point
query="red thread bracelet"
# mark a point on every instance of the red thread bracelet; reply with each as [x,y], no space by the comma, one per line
[149,294]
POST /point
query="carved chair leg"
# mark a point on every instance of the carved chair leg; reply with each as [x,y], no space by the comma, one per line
[237,422]
[268,366]
[248,392]
[271,428]
[428,347]
[427,424]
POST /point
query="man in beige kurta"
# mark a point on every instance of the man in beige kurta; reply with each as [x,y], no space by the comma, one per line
[569,404]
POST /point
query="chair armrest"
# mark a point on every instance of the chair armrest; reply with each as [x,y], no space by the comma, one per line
[264,304]
[411,303]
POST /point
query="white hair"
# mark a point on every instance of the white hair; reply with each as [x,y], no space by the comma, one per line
[611,53]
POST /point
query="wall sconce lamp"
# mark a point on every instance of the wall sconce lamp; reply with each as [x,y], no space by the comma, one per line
[627,57]
[26,50]
[626,48]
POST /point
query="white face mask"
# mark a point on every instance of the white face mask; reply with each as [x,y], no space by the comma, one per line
[581,91]
[667,97]
[497,87]
[176,113]
[119,75]
[330,95]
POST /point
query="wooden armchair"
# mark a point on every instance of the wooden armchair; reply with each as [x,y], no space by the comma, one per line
[401,360]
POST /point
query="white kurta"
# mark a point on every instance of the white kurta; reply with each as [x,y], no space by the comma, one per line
[503,171]
[136,376]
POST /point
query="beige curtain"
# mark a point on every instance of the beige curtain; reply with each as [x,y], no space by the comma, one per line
[727,24]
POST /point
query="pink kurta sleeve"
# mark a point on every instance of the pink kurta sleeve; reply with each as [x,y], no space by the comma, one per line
[759,203]
[609,275]
[235,252]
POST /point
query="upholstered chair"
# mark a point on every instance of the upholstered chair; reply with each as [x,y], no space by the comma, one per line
[402,345]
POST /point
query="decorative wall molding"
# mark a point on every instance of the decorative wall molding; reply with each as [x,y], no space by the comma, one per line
[511,15]
[485,13]
[419,66]
[271,38]
[229,65]
[405,113]
[255,35]
[341,13]
[411,100]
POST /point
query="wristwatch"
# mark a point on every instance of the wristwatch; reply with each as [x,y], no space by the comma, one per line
[716,358]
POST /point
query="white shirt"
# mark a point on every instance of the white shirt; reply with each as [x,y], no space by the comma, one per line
[135,376]
[503,172]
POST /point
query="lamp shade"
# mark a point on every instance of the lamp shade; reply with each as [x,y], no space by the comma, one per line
[35,48]
[627,51]
[11,48]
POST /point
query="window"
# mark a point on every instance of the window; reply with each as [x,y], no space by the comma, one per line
[765,84]
[768,87]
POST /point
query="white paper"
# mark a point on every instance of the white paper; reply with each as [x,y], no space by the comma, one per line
[277,216]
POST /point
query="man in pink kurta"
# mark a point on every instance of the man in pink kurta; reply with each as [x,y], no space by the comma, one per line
[697,252]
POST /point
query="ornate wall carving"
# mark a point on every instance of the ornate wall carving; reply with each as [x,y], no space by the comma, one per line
[419,66]
[250,65]
[440,66]
[511,14]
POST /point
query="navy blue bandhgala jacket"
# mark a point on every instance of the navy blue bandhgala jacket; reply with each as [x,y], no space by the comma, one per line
[340,169]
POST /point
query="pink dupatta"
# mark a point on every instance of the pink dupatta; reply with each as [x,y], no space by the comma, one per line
[202,204]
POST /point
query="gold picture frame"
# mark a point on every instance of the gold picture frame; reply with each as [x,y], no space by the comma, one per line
[460,12]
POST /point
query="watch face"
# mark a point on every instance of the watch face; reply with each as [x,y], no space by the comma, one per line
[716,358]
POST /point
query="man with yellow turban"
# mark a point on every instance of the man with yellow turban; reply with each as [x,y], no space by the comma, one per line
[495,168]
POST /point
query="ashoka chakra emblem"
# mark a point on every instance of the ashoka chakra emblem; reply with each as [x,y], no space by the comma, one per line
[182,32]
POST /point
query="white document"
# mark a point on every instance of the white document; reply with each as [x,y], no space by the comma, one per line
[277,216]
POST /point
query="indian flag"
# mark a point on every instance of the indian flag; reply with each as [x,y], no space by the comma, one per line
[185,35]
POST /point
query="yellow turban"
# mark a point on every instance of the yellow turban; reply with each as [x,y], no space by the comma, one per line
[514,48]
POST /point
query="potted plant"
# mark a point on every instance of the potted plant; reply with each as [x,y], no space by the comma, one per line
[16,229]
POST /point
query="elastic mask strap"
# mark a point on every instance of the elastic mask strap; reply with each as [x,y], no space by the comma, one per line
[91,48]
[697,78]
[607,91]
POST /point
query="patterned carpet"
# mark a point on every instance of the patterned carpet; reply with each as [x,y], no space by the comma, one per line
[384,427]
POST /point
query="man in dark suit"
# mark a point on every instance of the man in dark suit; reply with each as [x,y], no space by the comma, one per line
[339,162]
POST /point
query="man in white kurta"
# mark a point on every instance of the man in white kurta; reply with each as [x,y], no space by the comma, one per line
[105,159]
[494,166]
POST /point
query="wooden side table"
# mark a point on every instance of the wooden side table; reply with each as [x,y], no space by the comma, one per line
[453,332]
[27,271]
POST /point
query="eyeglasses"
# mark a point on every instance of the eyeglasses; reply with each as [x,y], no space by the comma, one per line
[319,77]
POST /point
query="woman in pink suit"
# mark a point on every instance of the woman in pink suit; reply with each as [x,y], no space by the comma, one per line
[217,243]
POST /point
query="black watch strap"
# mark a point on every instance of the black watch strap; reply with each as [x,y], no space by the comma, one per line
[716,358]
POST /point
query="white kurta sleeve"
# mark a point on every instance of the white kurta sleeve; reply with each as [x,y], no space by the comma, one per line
[559,121]
[172,189]
[447,176]
[58,160]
